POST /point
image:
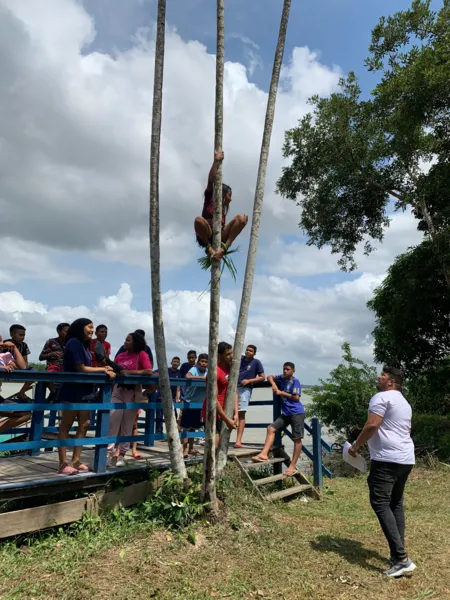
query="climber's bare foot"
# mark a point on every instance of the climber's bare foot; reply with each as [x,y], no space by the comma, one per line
[219,254]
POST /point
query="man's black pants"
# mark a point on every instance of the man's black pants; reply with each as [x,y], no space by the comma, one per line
[386,485]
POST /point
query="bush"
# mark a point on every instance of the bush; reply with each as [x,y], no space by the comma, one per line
[341,402]
[431,433]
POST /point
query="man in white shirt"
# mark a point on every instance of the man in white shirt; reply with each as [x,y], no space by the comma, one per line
[388,435]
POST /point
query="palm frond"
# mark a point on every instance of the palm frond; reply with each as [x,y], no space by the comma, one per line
[205,262]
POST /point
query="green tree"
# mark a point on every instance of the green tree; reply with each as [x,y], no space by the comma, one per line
[412,311]
[351,157]
[342,400]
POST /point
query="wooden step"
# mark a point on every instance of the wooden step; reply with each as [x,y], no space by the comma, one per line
[270,479]
[271,461]
[291,491]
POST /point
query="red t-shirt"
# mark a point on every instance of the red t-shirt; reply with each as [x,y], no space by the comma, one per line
[222,385]
[107,346]
[208,207]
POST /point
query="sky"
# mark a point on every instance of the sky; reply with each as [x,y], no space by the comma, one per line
[75,119]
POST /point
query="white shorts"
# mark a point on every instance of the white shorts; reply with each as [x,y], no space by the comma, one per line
[244,395]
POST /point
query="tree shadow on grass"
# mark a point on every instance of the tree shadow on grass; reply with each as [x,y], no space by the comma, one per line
[350,550]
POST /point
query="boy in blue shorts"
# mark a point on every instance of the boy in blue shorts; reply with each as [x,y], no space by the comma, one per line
[288,389]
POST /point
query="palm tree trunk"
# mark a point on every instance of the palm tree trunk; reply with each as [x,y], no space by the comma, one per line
[209,460]
[253,245]
[175,450]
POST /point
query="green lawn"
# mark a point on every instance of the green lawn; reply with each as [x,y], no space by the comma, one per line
[316,550]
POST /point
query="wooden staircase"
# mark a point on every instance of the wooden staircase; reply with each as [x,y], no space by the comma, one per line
[303,486]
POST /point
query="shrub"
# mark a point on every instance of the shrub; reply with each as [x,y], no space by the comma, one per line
[431,433]
[341,402]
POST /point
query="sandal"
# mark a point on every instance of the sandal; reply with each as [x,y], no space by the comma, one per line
[137,456]
[82,468]
[194,452]
[292,473]
[259,459]
[67,471]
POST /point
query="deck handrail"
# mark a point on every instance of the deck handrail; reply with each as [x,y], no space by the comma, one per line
[102,407]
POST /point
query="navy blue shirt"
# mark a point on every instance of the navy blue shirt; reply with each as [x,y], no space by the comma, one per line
[75,353]
[249,369]
[291,386]
[175,373]
[185,368]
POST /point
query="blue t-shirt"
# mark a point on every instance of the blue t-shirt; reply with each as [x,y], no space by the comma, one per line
[194,393]
[249,369]
[291,386]
[75,353]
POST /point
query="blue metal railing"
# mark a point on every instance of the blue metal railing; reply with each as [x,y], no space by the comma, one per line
[42,410]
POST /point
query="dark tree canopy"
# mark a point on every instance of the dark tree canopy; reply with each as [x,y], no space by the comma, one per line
[412,311]
[351,157]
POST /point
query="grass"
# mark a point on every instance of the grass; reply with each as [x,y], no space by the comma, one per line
[329,550]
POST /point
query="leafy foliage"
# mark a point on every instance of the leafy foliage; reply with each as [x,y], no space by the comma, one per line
[351,156]
[412,308]
[431,433]
[175,504]
[429,392]
[342,400]
[227,262]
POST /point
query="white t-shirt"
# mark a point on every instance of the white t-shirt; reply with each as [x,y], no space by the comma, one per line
[392,442]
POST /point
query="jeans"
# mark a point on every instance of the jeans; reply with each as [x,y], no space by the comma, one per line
[386,486]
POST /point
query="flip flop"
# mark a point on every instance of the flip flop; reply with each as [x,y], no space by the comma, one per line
[137,456]
[82,468]
[238,446]
[258,459]
[67,471]
[194,452]
[294,472]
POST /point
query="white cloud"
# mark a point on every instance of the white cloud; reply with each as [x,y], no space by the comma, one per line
[75,131]
[27,260]
[186,318]
[296,259]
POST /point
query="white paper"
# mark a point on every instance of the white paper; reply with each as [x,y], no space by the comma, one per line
[358,462]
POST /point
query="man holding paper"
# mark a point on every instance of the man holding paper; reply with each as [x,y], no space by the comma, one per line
[388,435]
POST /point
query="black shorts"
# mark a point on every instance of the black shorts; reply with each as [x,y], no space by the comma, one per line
[201,244]
[219,424]
[191,418]
[297,423]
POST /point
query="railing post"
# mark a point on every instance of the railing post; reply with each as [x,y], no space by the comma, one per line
[37,418]
[276,414]
[317,452]
[101,430]
[150,422]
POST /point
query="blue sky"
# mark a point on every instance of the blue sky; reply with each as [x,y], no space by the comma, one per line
[75,178]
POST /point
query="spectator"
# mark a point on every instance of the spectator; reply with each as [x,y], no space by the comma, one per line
[174,372]
[135,361]
[77,358]
[288,389]
[191,418]
[53,353]
[147,347]
[251,371]
[225,358]
[17,333]
[11,359]
[97,353]
[187,366]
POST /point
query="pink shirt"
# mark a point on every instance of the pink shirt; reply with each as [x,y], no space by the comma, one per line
[133,362]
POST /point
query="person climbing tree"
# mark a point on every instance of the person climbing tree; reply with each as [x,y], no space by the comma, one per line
[203,224]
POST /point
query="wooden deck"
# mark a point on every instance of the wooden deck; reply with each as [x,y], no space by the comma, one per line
[23,476]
